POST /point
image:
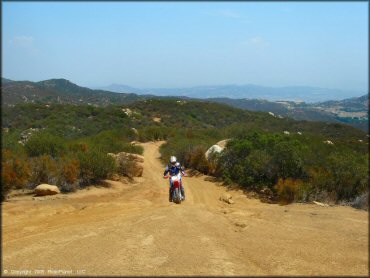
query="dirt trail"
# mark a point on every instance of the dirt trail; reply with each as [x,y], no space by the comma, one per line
[132,229]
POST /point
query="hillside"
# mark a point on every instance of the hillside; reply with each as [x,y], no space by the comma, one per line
[59,91]
[353,111]
[172,116]
[264,152]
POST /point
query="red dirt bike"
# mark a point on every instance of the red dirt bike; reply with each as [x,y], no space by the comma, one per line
[176,188]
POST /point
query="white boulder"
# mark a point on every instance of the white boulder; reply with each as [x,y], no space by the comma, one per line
[214,149]
[46,189]
[222,143]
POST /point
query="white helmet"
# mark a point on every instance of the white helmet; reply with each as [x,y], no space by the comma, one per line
[173,159]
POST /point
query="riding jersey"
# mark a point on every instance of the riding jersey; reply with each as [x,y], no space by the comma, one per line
[173,170]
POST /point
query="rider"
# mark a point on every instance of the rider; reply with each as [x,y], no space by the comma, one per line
[173,169]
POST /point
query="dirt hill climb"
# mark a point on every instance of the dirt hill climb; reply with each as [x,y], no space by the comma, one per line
[132,229]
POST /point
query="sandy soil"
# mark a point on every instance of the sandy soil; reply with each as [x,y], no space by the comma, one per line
[132,229]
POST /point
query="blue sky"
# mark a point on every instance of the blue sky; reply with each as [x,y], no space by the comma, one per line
[179,44]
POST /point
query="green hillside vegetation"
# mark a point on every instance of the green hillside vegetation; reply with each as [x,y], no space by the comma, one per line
[71,144]
[59,91]
[329,111]
[351,111]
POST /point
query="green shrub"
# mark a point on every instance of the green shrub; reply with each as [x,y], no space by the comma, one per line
[110,142]
[43,143]
[95,166]
[10,142]
[348,175]
[257,160]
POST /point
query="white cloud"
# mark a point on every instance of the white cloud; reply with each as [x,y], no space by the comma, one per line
[22,41]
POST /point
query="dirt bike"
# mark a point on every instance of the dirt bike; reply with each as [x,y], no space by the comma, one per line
[176,188]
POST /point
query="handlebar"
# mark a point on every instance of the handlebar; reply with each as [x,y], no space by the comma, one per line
[166,177]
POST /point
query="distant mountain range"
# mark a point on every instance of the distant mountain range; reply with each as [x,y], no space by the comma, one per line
[293,93]
[59,91]
[353,111]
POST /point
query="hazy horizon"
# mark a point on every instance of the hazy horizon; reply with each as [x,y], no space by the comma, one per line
[193,86]
[178,45]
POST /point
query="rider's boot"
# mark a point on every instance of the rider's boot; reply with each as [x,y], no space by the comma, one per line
[169,194]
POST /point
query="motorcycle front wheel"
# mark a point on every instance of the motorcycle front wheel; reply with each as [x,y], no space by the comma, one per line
[177,196]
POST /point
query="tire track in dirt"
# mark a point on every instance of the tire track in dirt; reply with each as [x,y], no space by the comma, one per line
[132,229]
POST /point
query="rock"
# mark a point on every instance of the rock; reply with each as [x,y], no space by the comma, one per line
[252,194]
[267,192]
[127,111]
[135,130]
[286,132]
[328,142]
[216,148]
[130,156]
[115,177]
[320,204]
[138,170]
[213,149]
[223,143]
[132,163]
[46,189]
[226,197]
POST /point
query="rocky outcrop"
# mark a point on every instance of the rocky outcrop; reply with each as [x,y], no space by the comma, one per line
[26,134]
[46,189]
[223,143]
[213,149]
[129,164]
[216,148]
